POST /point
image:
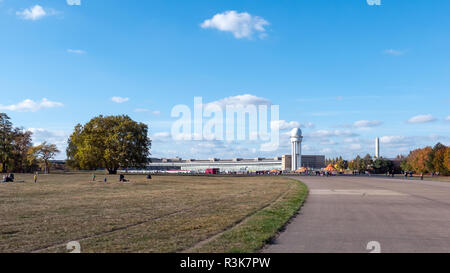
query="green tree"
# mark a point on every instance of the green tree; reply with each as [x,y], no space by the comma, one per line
[341,164]
[381,165]
[6,141]
[44,152]
[22,143]
[436,158]
[367,163]
[110,142]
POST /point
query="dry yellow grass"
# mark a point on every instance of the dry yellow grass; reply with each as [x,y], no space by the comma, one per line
[165,214]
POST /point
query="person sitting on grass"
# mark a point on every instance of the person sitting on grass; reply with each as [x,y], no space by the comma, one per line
[8,178]
[122,178]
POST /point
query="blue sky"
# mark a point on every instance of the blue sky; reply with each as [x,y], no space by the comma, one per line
[345,71]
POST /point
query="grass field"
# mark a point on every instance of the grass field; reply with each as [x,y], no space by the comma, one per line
[165,214]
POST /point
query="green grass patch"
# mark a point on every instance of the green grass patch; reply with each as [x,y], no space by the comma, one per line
[252,234]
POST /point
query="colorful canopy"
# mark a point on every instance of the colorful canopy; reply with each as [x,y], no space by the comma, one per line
[330,168]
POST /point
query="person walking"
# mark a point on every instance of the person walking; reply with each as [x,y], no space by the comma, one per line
[35,178]
[93,177]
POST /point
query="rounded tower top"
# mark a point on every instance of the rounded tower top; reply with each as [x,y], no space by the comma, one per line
[296,132]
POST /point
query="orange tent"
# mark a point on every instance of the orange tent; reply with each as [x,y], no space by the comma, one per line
[330,168]
[274,171]
[301,170]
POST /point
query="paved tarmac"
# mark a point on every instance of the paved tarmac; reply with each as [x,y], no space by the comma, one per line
[345,214]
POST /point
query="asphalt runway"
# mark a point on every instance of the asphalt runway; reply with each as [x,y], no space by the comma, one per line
[345,214]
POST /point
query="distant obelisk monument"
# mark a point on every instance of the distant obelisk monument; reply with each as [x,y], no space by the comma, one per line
[296,142]
[377,147]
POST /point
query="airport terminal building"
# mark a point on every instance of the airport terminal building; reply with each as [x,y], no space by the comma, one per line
[291,162]
[235,165]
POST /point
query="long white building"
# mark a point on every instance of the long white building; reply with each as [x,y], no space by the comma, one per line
[236,164]
[291,162]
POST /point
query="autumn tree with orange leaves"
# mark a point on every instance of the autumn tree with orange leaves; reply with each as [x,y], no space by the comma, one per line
[429,160]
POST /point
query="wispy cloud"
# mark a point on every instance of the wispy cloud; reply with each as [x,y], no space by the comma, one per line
[161,136]
[394,52]
[242,25]
[31,106]
[241,100]
[447,118]
[119,99]
[73,2]
[422,119]
[76,51]
[145,110]
[335,133]
[35,13]
[286,125]
[392,139]
[367,123]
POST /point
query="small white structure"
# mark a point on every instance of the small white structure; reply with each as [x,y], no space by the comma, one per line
[296,142]
[377,147]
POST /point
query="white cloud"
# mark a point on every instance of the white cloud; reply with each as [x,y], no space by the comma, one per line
[284,125]
[242,25]
[355,147]
[309,125]
[145,110]
[447,118]
[119,99]
[328,142]
[351,139]
[269,147]
[335,133]
[73,2]
[422,119]
[394,52]
[392,139]
[31,106]
[35,13]
[367,123]
[241,100]
[59,138]
[161,136]
[76,51]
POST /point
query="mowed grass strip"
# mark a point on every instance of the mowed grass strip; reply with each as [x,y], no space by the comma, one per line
[165,214]
[260,228]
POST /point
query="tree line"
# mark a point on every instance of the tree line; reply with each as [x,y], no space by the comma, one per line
[105,142]
[17,152]
[363,164]
[432,160]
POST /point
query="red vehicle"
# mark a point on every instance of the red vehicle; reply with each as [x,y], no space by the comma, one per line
[212,171]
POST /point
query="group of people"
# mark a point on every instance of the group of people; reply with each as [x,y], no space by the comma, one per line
[8,178]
